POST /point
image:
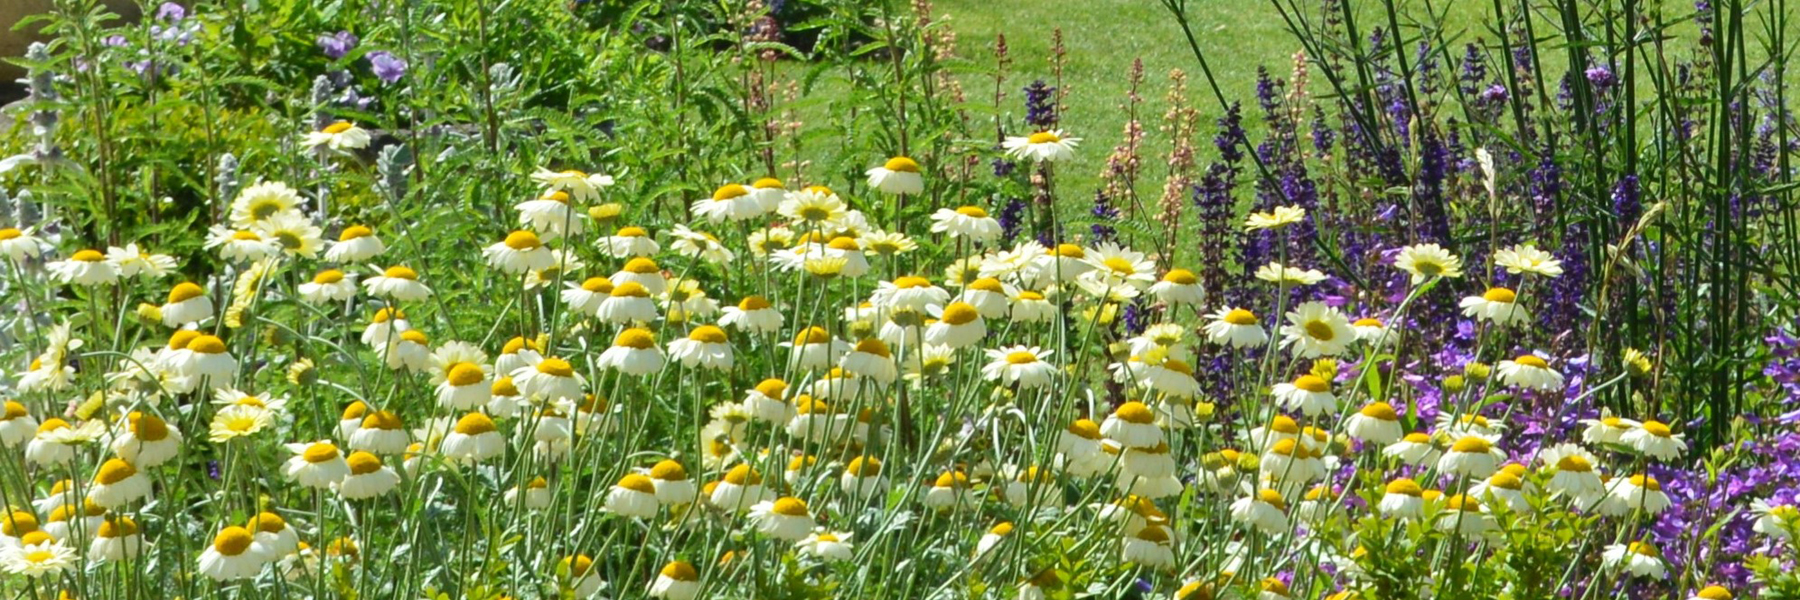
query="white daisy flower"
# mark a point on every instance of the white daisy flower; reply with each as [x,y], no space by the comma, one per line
[355,243]
[342,136]
[1043,146]
[899,175]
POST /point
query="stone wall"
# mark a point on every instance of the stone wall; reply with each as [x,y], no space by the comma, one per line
[14,42]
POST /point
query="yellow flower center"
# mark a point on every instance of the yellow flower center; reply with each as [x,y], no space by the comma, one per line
[1044,137]
[504,387]
[598,285]
[901,164]
[337,128]
[960,313]
[1574,463]
[1312,384]
[1380,410]
[353,232]
[267,522]
[1642,549]
[812,335]
[88,256]
[328,276]
[185,291]
[475,424]
[1656,428]
[415,336]
[1120,265]
[680,571]
[972,211]
[1463,503]
[320,452]
[1471,445]
[363,463]
[114,471]
[382,420]
[873,346]
[1319,330]
[911,282]
[1500,294]
[1131,412]
[233,541]
[729,191]
[637,483]
[768,183]
[207,344]
[1239,316]
[1647,482]
[117,527]
[635,337]
[1021,358]
[464,373]
[707,334]
[400,272]
[14,410]
[951,479]
[668,470]
[743,475]
[523,240]
[1405,487]
[1272,498]
[641,266]
[1714,592]
[790,506]
[1181,277]
[556,367]
[10,233]
[1529,360]
[863,466]
[1506,481]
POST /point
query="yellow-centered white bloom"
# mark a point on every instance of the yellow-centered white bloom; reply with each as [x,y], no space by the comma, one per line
[262,200]
[355,243]
[1638,559]
[1288,275]
[731,202]
[1655,440]
[397,282]
[132,261]
[899,175]
[1315,329]
[582,187]
[342,136]
[1425,261]
[1498,306]
[20,244]
[1043,146]
[521,251]
[1282,216]
[1526,259]
[1023,366]
[85,267]
[970,222]
[1530,372]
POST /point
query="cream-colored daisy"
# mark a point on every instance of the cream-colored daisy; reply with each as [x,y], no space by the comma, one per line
[1044,146]
[341,136]
[1425,261]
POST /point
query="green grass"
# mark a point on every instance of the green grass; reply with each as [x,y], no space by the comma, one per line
[1103,38]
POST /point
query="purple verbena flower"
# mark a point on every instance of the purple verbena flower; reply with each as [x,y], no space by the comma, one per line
[338,44]
[388,67]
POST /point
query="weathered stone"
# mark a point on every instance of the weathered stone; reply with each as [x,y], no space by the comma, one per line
[13,42]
